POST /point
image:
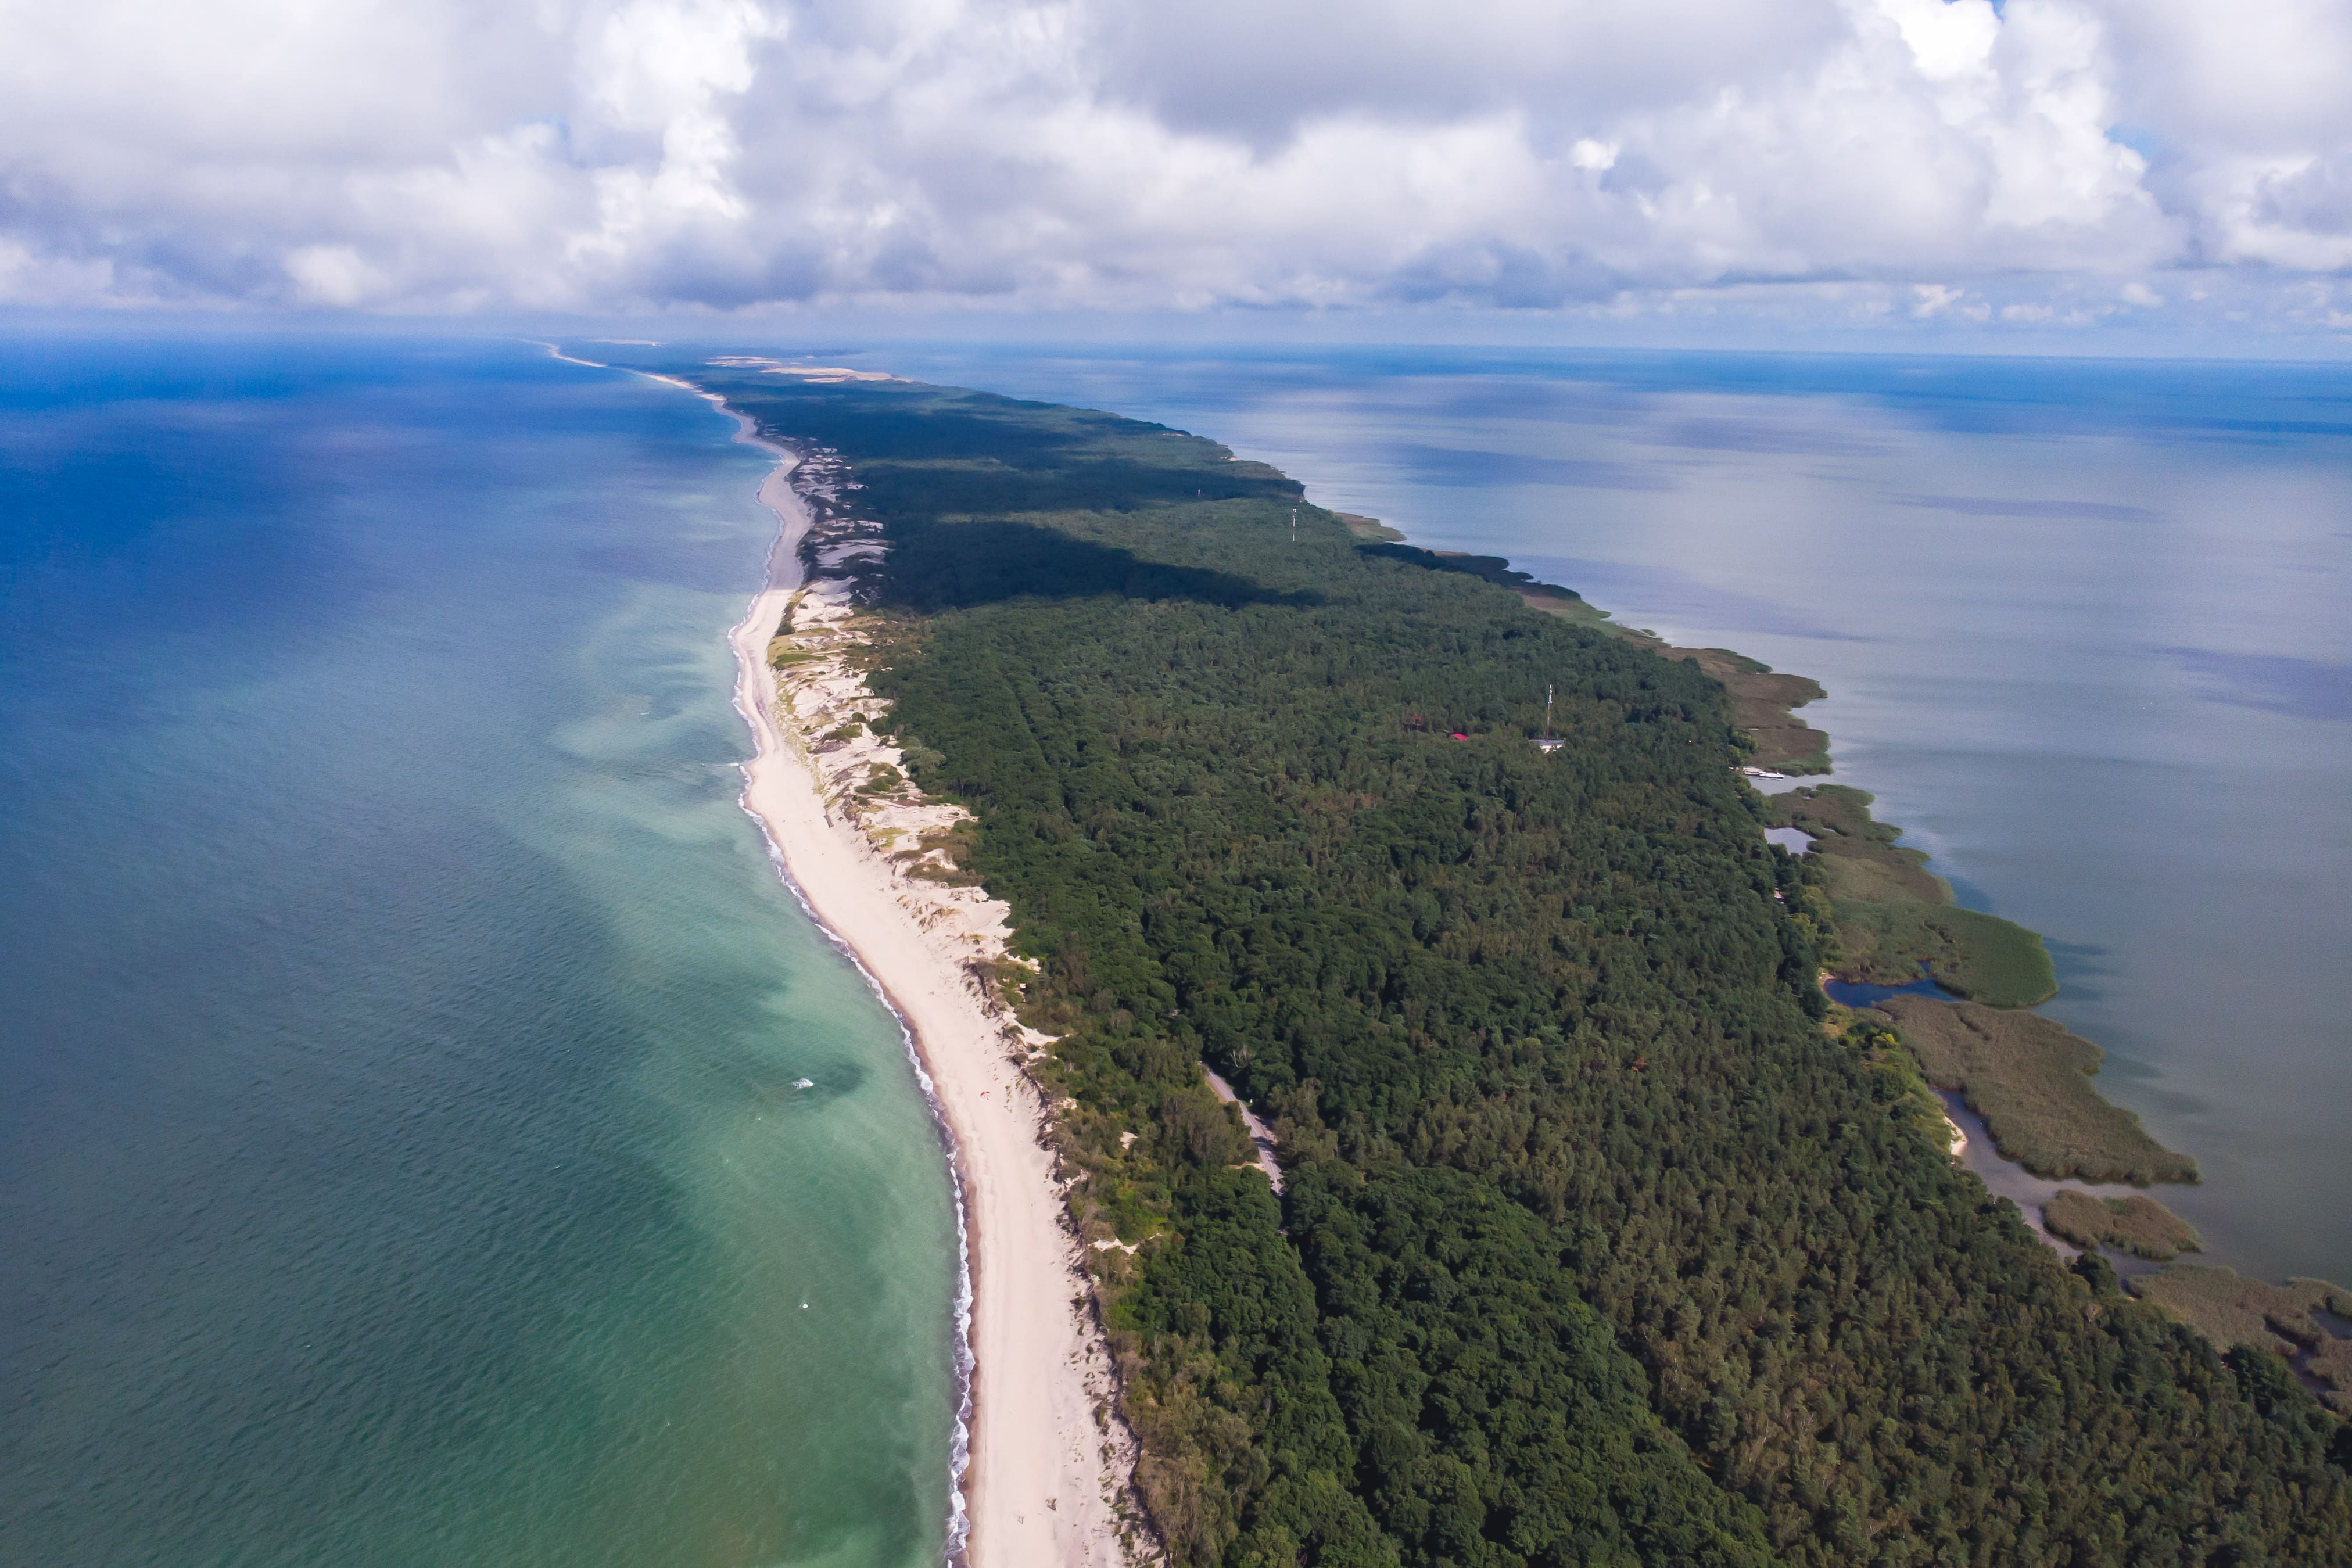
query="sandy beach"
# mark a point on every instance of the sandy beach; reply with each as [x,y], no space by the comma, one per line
[1045,1478]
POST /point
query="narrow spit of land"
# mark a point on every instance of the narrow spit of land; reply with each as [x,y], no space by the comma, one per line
[1593,1243]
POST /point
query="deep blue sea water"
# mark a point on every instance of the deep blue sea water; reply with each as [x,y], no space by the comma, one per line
[400,1156]
[2086,629]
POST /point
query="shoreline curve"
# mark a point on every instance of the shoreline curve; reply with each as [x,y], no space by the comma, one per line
[1036,1477]
[783,575]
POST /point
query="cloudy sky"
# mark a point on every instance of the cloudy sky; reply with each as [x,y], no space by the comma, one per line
[2037,167]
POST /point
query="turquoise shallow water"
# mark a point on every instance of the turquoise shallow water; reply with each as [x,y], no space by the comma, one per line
[2086,629]
[400,1160]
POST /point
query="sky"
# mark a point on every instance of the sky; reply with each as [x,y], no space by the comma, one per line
[2042,173]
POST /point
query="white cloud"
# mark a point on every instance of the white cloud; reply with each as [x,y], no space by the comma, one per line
[1937,299]
[331,275]
[1597,156]
[1934,298]
[625,154]
[2248,106]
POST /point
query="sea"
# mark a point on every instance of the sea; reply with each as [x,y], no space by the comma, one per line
[2085,627]
[432,1132]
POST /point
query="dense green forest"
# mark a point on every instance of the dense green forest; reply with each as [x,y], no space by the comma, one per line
[1597,1247]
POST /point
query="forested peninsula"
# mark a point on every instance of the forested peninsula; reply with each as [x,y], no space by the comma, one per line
[1595,1246]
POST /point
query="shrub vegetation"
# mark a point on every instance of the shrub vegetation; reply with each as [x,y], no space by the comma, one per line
[2140,1226]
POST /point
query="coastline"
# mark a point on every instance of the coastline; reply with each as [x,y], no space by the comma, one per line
[2224,1307]
[1041,1467]
[1839,832]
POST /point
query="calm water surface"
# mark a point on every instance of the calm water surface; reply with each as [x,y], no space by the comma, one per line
[2086,630]
[400,1156]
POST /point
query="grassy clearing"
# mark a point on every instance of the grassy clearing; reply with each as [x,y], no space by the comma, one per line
[1574,611]
[1370,529]
[1861,878]
[1763,708]
[1865,863]
[2139,1226]
[942,855]
[2030,1079]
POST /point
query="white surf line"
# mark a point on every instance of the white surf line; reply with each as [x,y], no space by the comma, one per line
[1045,1473]
[1038,1478]
[784,574]
[793,522]
[1042,1464]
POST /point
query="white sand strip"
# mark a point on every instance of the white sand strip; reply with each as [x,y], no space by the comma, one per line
[1046,1475]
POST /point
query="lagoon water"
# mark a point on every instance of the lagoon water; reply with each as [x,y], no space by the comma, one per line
[401,1159]
[2085,626]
